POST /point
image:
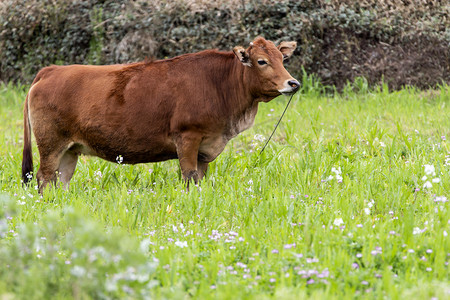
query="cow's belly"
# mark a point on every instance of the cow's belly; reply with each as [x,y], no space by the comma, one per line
[127,152]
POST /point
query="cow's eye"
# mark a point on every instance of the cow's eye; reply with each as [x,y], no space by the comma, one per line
[262,62]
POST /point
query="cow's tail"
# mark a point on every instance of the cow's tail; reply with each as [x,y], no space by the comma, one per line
[27,160]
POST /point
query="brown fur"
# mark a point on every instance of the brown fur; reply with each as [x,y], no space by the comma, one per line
[187,107]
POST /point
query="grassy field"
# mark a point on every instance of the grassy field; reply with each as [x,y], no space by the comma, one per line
[349,200]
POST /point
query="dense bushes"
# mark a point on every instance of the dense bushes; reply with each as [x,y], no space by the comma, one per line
[404,42]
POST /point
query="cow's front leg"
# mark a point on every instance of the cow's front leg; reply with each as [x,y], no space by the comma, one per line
[187,144]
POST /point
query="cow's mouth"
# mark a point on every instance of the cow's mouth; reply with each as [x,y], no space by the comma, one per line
[290,88]
[289,93]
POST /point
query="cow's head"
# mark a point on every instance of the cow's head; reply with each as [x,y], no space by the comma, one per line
[267,76]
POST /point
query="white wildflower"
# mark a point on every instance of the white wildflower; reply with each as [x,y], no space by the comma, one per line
[336,171]
[259,137]
[181,244]
[427,185]
[78,271]
[338,222]
[417,230]
[429,170]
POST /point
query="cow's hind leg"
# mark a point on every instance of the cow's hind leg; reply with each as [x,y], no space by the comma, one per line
[53,162]
[67,166]
[48,169]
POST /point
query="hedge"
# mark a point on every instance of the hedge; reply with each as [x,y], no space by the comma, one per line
[398,42]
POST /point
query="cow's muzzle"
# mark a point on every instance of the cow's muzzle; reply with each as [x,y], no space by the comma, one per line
[290,87]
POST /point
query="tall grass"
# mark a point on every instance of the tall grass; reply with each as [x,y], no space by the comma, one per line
[350,199]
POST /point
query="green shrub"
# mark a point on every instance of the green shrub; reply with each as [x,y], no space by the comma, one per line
[64,255]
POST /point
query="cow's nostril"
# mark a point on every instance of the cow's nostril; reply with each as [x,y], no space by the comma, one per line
[294,84]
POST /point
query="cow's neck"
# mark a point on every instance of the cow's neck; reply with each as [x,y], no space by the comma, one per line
[244,105]
[232,86]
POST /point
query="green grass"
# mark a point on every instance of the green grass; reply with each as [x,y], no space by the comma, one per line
[260,226]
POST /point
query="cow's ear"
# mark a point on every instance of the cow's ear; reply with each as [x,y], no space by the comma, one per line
[242,55]
[287,48]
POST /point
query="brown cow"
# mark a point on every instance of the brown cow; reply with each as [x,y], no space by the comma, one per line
[187,107]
